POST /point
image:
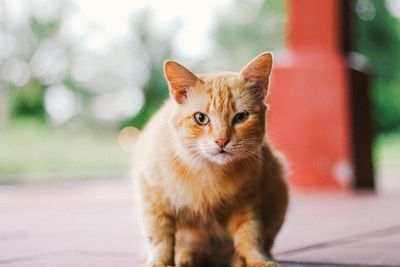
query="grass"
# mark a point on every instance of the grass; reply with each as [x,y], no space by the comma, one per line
[28,146]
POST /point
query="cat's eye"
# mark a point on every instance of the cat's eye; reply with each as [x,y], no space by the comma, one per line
[240,117]
[201,118]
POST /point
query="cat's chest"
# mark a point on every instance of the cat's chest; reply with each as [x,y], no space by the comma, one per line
[203,191]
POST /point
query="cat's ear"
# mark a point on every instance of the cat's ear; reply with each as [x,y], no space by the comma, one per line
[180,79]
[258,71]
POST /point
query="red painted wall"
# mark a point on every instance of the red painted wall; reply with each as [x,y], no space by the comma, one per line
[309,116]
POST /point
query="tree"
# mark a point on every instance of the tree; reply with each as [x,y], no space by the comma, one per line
[377,36]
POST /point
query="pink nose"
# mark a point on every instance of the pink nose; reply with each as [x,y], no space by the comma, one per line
[222,142]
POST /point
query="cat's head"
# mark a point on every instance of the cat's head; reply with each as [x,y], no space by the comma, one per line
[220,117]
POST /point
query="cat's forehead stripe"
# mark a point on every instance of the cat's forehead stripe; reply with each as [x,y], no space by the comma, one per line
[211,99]
[222,98]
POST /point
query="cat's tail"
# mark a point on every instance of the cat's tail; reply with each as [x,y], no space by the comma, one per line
[127,138]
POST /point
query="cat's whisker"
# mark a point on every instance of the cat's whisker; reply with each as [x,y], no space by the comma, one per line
[253,154]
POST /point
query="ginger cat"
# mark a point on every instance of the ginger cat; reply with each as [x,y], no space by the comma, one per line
[211,189]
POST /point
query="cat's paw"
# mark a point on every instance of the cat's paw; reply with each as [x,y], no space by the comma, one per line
[184,259]
[265,264]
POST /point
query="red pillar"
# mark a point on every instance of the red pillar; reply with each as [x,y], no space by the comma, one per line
[309,118]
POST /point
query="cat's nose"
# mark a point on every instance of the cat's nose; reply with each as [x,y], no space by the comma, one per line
[222,142]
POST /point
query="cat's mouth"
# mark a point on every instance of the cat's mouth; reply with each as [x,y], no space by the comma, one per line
[219,155]
[222,156]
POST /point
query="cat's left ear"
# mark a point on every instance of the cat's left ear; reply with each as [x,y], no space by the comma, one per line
[258,71]
[180,80]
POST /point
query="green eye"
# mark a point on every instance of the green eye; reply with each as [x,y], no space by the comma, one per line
[201,118]
[240,117]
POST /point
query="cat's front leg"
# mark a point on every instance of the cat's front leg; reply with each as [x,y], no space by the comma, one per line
[245,230]
[159,227]
[160,231]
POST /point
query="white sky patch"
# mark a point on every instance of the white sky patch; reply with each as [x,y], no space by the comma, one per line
[195,21]
[114,106]
[15,71]
[45,10]
[194,40]
[110,20]
[111,16]
[16,14]
[103,22]
[394,7]
[61,103]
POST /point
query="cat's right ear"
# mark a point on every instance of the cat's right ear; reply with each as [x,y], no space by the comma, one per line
[179,80]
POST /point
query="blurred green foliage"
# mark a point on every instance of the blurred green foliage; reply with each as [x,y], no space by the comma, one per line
[43,30]
[241,37]
[377,36]
[237,39]
[27,100]
[250,28]
[156,89]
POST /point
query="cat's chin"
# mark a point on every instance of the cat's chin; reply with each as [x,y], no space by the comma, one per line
[221,158]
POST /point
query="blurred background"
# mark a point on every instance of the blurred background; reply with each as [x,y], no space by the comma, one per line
[73,74]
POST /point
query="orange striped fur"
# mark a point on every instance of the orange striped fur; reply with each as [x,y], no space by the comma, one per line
[203,204]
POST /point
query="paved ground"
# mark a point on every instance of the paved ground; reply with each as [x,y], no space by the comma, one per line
[94,224]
